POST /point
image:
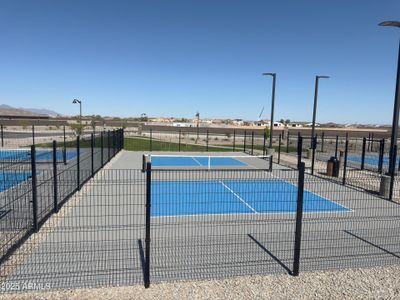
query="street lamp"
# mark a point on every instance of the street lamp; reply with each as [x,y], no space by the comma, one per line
[396,108]
[317,78]
[80,109]
[271,127]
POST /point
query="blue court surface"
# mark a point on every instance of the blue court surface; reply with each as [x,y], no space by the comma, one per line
[41,155]
[178,198]
[372,160]
[10,179]
[194,161]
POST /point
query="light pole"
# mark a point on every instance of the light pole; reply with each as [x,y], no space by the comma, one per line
[271,127]
[396,108]
[80,110]
[317,78]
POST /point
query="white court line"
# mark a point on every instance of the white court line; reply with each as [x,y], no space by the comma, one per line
[192,157]
[237,196]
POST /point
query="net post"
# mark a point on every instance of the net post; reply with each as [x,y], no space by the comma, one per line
[393,171]
[252,142]
[55,194]
[381,153]
[336,145]
[148,224]
[287,142]
[299,221]
[234,140]
[279,148]
[33,134]
[346,151]
[299,149]
[244,142]
[207,141]
[78,167]
[102,148]
[92,152]
[364,144]
[34,190]
[2,135]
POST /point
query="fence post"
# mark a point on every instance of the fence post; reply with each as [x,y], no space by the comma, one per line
[179,141]
[381,153]
[64,152]
[2,136]
[264,138]
[33,134]
[244,142]
[151,139]
[108,146]
[279,148]
[234,140]
[148,223]
[55,209]
[92,152]
[207,141]
[393,171]
[299,221]
[252,142]
[78,166]
[34,189]
[287,142]
[299,149]
[314,147]
[372,142]
[102,148]
[346,151]
[336,145]
[322,141]
[364,144]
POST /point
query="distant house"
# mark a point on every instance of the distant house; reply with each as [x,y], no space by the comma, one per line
[295,125]
[310,125]
[238,122]
[180,124]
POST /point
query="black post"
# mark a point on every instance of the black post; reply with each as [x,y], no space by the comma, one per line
[336,145]
[55,209]
[148,223]
[33,134]
[346,151]
[244,142]
[2,136]
[279,148]
[102,148]
[265,136]
[299,149]
[299,221]
[287,142]
[151,139]
[78,166]
[92,152]
[207,141]
[314,147]
[364,144]
[108,146]
[64,148]
[34,190]
[393,174]
[381,154]
[369,142]
[322,141]
[372,142]
[179,141]
[252,142]
[234,140]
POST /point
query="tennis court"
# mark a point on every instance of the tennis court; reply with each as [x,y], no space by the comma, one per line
[9,179]
[41,155]
[372,160]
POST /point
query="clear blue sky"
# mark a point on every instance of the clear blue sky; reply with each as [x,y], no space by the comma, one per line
[173,58]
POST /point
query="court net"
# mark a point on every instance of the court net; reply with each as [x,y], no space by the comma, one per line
[207,162]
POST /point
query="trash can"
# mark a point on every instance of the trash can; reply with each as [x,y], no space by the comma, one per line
[384,187]
[332,168]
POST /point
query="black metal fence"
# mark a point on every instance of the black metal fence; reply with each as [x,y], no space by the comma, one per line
[37,182]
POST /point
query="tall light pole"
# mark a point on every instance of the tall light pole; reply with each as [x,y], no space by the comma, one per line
[80,109]
[396,108]
[317,78]
[271,127]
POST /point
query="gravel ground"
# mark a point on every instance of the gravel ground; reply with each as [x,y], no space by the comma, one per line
[375,283]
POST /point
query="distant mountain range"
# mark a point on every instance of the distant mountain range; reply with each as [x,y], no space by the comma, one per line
[6,110]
